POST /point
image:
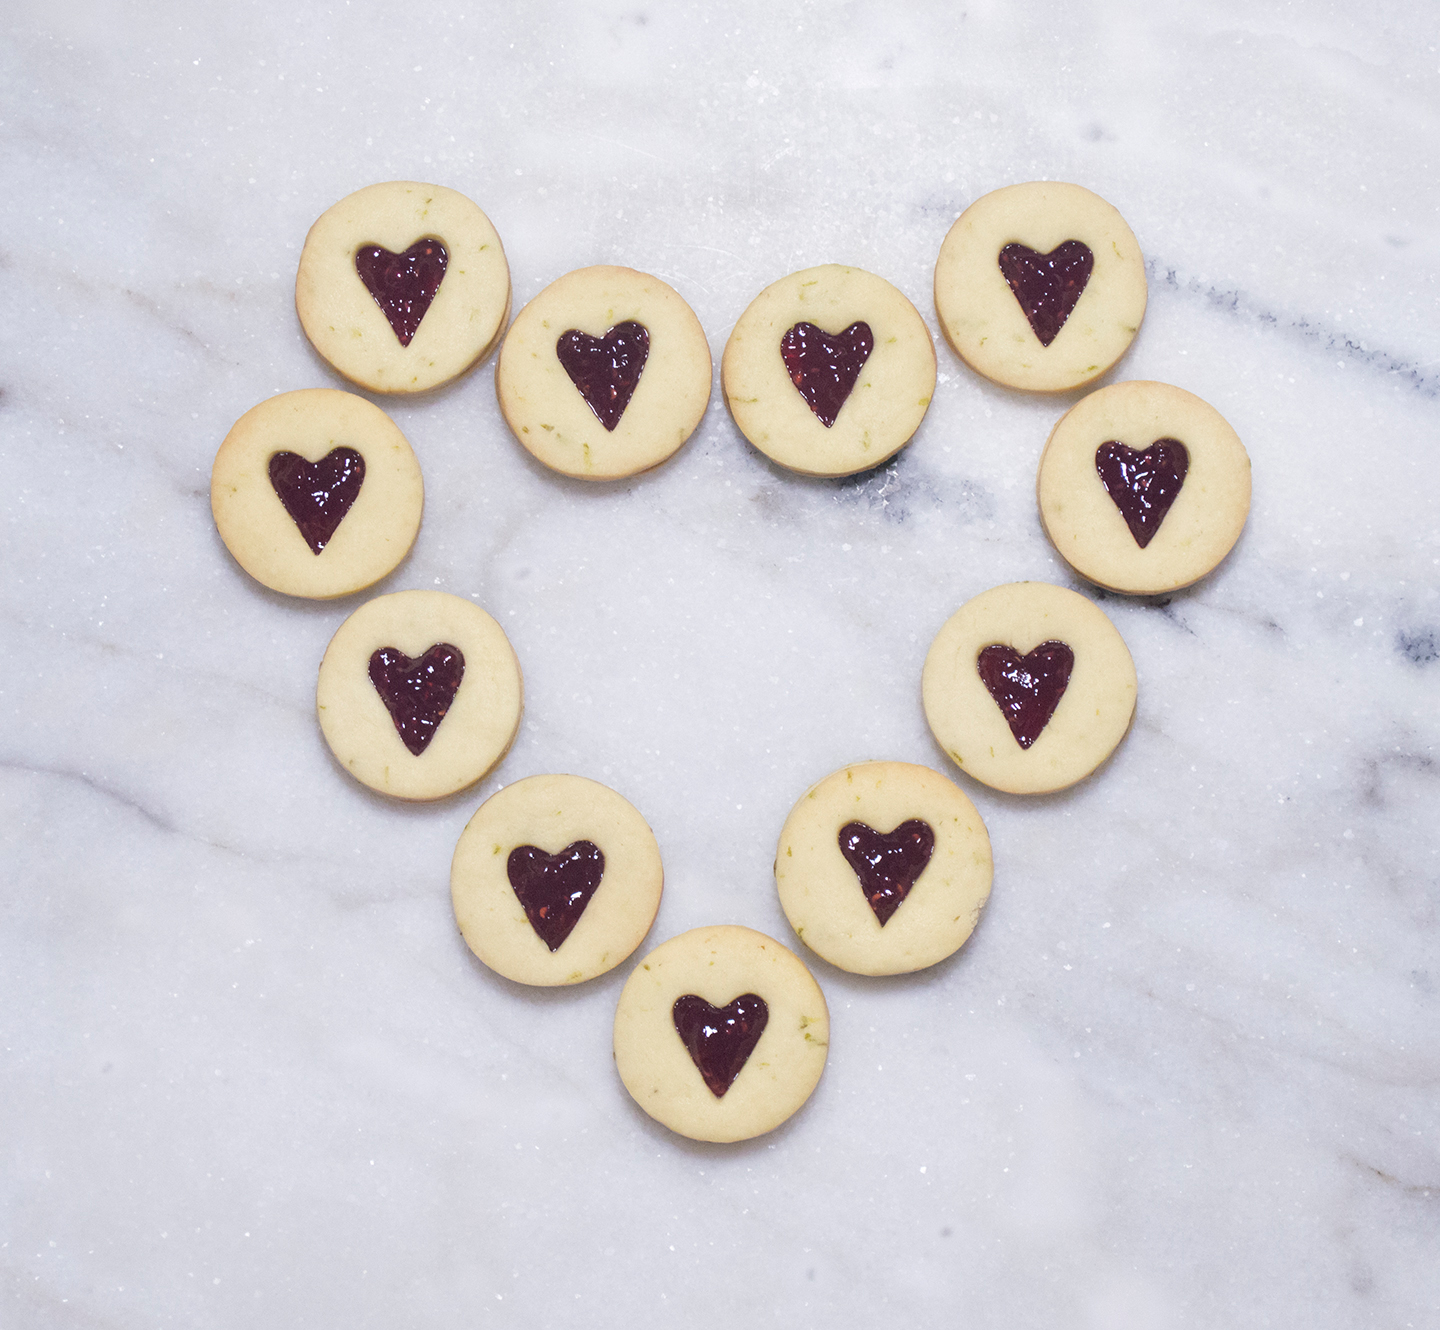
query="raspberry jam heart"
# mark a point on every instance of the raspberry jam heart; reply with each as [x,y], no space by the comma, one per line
[403,284]
[1143,485]
[606,369]
[1028,688]
[317,495]
[720,1039]
[1047,285]
[555,888]
[824,368]
[417,692]
[887,863]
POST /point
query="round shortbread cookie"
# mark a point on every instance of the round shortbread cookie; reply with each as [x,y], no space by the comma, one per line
[829,371]
[883,868]
[1143,488]
[452,699]
[316,493]
[444,309]
[1056,696]
[604,374]
[556,879]
[754,1015]
[1037,235]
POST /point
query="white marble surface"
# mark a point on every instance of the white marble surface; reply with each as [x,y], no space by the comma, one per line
[1184,1075]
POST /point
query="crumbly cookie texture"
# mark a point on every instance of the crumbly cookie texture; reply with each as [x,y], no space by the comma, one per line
[883,868]
[604,374]
[709,979]
[556,879]
[1143,462]
[408,642]
[316,493]
[1040,723]
[347,323]
[1032,234]
[829,343]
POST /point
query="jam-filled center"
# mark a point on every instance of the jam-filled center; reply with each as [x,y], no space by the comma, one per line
[824,366]
[554,889]
[1143,485]
[1048,286]
[317,495]
[606,369]
[417,691]
[720,1039]
[887,862]
[1027,688]
[403,285]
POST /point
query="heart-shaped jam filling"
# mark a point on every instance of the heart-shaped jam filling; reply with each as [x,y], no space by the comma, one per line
[403,284]
[1143,485]
[720,1039]
[1028,688]
[555,888]
[1047,285]
[887,863]
[606,369]
[317,495]
[824,368]
[417,692]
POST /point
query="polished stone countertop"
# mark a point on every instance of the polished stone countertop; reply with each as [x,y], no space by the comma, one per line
[1185,1072]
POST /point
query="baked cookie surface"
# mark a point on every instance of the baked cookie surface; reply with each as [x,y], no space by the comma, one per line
[829,371]
[883,868]
[556,879]
[403,286]
[1143,487]
[1040,286]
[721,1034]
[604,374]
[1028,687]
[419,694]
[316,493]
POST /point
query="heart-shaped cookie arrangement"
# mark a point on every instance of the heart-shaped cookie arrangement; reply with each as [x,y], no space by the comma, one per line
[883,867]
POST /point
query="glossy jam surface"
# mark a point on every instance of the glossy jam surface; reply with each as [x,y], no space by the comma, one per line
[887,863]
[403,284]
[417,692]
[554,889]
[1028,688]
[1047,285]
[317,495]
[720,1039]
[606,369]
[1143,485]
[823,367]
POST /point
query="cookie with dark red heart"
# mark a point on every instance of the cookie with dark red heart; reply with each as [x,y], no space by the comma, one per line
[604,374]
[1040,286]
[1143,488]
[721,1034]
[555,880]
[316,493]
[1028,687]
[829,371]
[883,867]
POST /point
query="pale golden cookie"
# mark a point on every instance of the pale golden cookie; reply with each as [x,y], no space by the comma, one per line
[755,1017]
[1063,687]
[316,493]
[1143,488]
[883,868]
[829,371]
[451,700]
[604,374]
[1035,233]
[555,880]
[432,332]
